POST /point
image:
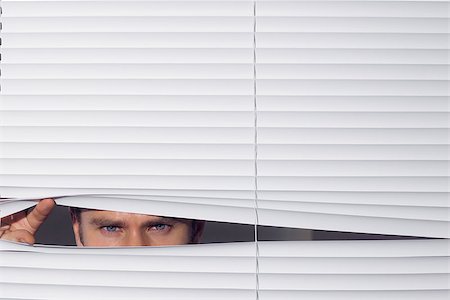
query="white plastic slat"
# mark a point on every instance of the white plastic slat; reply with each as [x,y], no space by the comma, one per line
[127,118]
[142,103]
[139,135]
[131,40]
[222,262]
[134,279]
[436,41]
[359,168]
[354,265]
[126,54]
[351,71]
[354,103]
[127,167]
[355,184]
[359,136]
[133,8]
[354,282]
[43,192]
[353,152]
[354,295]
[128,24]
[351,24]
[349,9]
[72,292]
[410,199]
[391,210]
[126,151]
[354,119]
[351,87]
[352,56]
[128,86]
[127,71]
[367,248]
[222,24]
[115,182]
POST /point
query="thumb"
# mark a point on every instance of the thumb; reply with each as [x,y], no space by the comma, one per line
[39,213]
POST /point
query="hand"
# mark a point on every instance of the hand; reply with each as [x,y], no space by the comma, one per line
[21,227]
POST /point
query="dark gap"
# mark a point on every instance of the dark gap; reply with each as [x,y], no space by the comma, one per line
[57,230]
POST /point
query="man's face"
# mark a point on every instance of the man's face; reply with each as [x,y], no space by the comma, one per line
[110,228]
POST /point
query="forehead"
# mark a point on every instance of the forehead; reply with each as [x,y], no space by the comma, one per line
[106,214]
[90,215]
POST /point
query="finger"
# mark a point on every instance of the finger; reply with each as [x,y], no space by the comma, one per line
[40,212]
[3,230]
[21,236]
[8,220]
[4,227]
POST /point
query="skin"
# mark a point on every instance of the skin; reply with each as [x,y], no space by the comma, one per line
[110,228]
[21,227]
[106,228]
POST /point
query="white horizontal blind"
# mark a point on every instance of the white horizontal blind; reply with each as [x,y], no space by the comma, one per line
[204,272]
[352,124]
[353,115]
[135,98]
[352,128]
[409,269]
[288,270]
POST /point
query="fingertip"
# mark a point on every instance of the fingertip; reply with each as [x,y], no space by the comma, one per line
[49,201]
[39,213]
[27,239]
[46,205]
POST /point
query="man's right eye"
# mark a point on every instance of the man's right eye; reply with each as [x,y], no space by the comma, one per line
[110,228]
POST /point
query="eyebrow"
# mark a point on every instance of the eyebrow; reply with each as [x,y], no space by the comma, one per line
[163,220]
[106,222]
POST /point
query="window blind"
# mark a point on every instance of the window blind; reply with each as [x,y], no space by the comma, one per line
[354,270]
[309,114]
[353,115]
[289,270]
[144,97]
[190,272]
[352,135]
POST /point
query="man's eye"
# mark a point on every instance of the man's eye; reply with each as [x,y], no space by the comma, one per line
[111,228]
[160,227]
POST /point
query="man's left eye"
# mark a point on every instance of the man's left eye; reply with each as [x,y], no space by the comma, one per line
[160,227]
[111,228]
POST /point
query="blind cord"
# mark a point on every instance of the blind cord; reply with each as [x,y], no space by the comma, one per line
[255,110]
